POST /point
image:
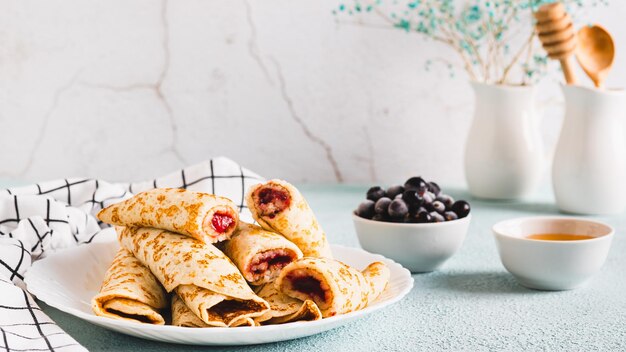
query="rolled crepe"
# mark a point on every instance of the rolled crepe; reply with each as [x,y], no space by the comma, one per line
[183,316]
[285,309]
[335,287]
[203,216]
[260,254]
[130,292]
[279,207]
[203,277]
[377,275]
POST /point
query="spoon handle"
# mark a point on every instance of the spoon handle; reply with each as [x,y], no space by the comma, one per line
[568,70]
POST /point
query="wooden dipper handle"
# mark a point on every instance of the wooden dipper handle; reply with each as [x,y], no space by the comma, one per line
[556,33]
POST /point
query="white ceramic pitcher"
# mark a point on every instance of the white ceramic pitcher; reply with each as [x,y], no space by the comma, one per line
[504,156]
[589,168]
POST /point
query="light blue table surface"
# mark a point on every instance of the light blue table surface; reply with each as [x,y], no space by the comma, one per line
[471,304]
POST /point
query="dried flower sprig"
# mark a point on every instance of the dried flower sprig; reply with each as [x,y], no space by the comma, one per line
[481,32]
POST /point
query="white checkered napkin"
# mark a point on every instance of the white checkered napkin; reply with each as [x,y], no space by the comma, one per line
[39,219]
[24,327]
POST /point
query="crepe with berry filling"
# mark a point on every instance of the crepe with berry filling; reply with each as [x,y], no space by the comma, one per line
[278,206]
[130,292]
[183,316]
[285,309]
[203,277]
[335,287]
[203,216]
[260,254]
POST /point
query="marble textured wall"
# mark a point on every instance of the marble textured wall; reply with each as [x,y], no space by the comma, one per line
[129,89]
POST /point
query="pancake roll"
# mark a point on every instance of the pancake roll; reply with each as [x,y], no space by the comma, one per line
[202,216]
[130,292]
[260,254]
[279,207]
[335,287]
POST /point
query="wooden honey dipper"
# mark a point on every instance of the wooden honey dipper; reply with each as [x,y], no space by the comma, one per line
[556,33]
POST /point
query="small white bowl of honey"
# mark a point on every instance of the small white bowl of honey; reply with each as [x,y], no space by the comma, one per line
[553,253]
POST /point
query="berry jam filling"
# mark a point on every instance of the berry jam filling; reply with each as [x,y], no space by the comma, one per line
[272,201]
[273,260]
[221,222]
[309,286]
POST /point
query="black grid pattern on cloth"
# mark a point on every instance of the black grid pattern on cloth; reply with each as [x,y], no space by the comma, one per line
[24,327]
[38,219]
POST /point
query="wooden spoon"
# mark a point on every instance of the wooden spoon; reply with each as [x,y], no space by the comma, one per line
[556,33]
[595,53]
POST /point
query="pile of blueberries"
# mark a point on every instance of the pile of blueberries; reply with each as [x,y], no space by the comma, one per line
[417,201]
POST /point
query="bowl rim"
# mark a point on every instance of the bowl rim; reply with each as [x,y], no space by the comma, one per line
[498,233]
[412,224]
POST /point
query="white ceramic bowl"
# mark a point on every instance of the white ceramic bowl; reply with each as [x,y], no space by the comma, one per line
[418,247]
[552,265]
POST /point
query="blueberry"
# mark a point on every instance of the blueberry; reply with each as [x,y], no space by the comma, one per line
[412,199]
[434,188]
[428,198]
[450,215]
[436,217]
[393,191]
[446,200]
[422,209]
[398,209]
[380,217]
[398,196]
[439,207]
[375,193]
[381,206]
[461,208]
[424,216]
[366,209]
[416,184]
[428,201]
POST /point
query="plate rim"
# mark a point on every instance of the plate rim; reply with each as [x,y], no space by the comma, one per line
[105,322]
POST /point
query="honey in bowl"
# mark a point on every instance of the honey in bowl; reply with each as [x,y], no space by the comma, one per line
[558,237]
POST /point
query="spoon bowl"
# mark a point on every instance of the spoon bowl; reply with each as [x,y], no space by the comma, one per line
[595,53]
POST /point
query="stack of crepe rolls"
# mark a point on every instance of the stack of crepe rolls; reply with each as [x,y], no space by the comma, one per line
[130,292]
[335,287]
[203,216]
[166,237]
[260,255]
[279,207]
[203,277]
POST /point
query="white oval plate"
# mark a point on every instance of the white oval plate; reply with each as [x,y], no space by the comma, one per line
[67,280]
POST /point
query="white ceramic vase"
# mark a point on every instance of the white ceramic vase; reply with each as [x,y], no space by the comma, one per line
[589,168]
[504,157]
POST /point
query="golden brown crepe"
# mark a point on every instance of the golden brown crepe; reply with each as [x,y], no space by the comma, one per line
[130,292]
[203,277]
[377,275]
[203,216]
[335,287]
[260,254]
[285,309]
[279,207]
[183,316]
